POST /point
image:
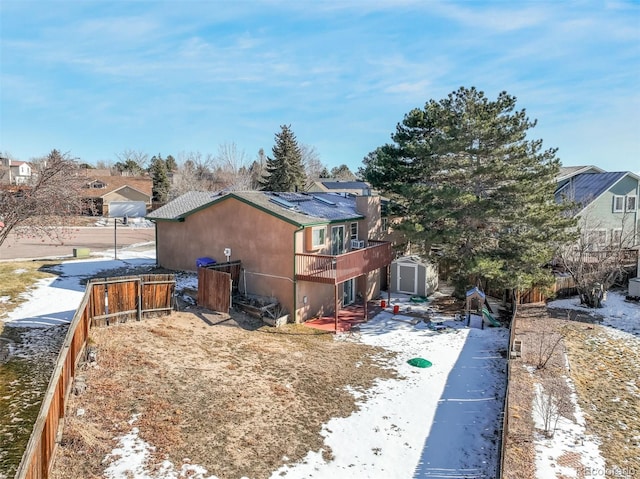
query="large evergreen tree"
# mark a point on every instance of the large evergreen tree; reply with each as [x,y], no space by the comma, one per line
[284,172]
[464,178]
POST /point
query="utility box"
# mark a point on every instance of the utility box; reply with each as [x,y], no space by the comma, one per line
[634,287]
[81,253]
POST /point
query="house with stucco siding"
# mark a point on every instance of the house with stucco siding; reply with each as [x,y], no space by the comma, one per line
[315,252]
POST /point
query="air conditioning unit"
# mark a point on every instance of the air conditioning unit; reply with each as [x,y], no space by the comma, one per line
[357,244]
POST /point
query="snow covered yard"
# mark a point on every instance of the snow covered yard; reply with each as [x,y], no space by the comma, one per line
[443,421]
[433,422]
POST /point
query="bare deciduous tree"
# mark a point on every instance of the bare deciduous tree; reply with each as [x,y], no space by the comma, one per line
[41,207]
[194,173]
[546,342]
[233,167]
[599,258]
[313,167]
[551,402]
[133,158]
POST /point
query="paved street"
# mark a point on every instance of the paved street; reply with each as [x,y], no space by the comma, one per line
[95,238]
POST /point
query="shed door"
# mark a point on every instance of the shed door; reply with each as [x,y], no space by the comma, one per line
[407,278]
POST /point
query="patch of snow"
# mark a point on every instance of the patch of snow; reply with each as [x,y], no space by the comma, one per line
[569,437]
[132,459]
[617,313]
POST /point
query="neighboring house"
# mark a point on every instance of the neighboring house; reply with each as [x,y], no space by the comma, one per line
[328,185]
[607,205]
[314,252]
[99,191]
[14,172]
[566,172]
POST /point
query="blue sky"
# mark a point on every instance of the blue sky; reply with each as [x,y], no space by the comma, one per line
[97,78]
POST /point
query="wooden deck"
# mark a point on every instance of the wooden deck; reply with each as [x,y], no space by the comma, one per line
[348,317]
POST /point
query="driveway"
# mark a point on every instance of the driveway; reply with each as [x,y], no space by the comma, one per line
[96,238]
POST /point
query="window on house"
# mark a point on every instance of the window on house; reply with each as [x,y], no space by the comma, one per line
[618,204]
[385,224]
[597,237]
[632,203]
[616,237]
[318,236]
[354,231]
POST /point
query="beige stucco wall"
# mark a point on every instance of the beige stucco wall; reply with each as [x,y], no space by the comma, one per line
[262,242]
[369,206]
[265,245]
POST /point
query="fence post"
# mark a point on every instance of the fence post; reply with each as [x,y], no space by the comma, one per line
[139,291]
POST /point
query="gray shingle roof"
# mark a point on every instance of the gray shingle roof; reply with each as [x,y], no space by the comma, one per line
[298,208]
[586,187]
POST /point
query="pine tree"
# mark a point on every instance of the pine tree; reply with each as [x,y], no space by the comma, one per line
[160,177]
[284,172]
[463,177]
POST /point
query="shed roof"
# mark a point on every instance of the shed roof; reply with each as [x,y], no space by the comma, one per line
[301,209]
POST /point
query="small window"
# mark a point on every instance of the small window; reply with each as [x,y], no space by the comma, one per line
[385,224]
[618,204]
[318,237]
[616,237]
[632,203]
[597,237]
[354,231]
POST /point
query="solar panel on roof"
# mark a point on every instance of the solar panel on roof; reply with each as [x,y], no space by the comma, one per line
[282,202]
[293,197]
[324,200]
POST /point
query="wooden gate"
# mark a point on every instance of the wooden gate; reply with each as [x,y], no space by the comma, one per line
[214,289]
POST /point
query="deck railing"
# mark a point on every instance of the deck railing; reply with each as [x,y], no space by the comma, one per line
[334,269]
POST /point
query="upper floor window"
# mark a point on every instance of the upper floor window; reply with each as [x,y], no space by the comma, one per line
[318,236]
[625,203]
[354,231]
[618,204]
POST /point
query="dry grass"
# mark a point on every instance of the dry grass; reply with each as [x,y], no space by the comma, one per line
[16,279]
[235,400]
[605,370]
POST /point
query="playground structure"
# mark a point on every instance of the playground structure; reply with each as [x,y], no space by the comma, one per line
[477,301]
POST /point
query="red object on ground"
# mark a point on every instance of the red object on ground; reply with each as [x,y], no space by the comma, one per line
[396,309]
[383,304]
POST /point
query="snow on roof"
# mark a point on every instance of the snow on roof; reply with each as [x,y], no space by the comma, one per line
[298,208]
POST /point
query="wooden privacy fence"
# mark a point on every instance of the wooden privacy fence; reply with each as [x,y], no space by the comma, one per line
[105,301]
[217,283]
[564,286]
[128,297]
[214,290]
[505,408]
